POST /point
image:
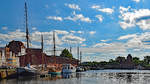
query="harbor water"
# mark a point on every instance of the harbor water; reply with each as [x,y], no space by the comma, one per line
[88,77]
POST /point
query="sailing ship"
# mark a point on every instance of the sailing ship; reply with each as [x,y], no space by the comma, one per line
[55,69]
[27,70]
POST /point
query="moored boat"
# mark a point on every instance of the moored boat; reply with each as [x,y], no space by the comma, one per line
[26,71]
[54,71]
[68,68]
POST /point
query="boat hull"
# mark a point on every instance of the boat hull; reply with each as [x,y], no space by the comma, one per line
[24,72]
[55,73]
[68,70]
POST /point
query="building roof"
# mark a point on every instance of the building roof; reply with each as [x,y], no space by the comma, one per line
[15,46]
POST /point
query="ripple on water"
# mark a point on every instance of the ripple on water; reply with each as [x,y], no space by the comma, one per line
[89,77]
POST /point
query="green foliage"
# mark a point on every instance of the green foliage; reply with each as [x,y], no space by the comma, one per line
[147,59]
[66,53]
[137,61]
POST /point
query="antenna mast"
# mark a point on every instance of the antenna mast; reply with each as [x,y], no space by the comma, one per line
[26,25]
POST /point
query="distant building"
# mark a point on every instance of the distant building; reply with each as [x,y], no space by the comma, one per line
[9,55]
[128,63]
[2,56]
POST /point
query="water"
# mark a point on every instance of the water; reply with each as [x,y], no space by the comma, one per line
[89,77]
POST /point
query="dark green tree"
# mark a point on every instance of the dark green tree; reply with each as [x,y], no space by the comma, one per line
[66,53]
[147,59]
[137,61]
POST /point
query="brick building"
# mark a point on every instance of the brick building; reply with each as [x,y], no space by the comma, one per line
[15,54]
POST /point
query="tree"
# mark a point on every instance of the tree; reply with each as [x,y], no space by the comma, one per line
[66,53]
[147,59]
[120,59]
[136,61]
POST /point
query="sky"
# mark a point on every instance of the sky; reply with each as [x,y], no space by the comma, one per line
[104,29]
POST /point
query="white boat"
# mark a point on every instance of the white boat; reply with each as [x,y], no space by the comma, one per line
[68,68]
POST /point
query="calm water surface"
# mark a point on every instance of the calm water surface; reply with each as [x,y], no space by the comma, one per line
[89,77]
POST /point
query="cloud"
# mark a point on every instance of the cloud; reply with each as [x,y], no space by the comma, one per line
[133,17]
[109,49]
[105,40]
[137,41]
[92,32]
[61,32]
[105,10]
[73,6]
[55,18]
[48,36]
[101,44]
[80,32]
[12,35]
[34,28]
[127,36]
[72,39]
[4,28]
[137,1]
[100,17]
[79,17]
[72,31]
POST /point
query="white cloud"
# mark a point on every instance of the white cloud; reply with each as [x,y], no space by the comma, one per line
[78,17]
[73,31]
[100,17]
[4,28]
[61,32]
[125,25]
[72,39]
[139,41]
[105,40]
[34,28]
[105,10]
[127,36]
[132,17]
[55,18]
[48,36]
[95,7]
[137,1]
[123,9]
[92,32]
[12,35]
[80,32]
[101,44]
[73,6]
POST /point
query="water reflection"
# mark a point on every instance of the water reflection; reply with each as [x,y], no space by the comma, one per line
[90,77]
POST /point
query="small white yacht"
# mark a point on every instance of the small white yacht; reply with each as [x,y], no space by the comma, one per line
[68,68]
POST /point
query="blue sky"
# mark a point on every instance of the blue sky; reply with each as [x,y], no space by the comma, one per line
[104,29]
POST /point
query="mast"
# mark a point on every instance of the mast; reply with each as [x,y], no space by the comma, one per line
[42,51]
[26,25]
[78,54]
[42,43]
[54,43]
[80,57]
[70,49]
